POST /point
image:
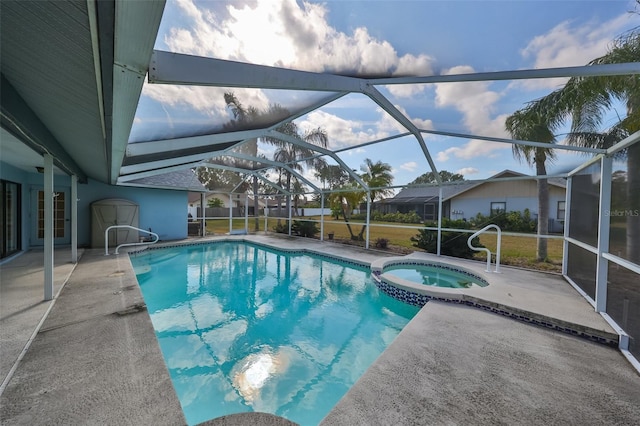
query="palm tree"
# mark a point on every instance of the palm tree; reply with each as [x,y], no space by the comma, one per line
[528,125]
[243,116]
[293,155]
[287,153]
[377,176]
[298,189]
[586,100]
[347,199]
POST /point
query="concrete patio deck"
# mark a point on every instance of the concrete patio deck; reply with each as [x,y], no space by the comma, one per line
[95,359]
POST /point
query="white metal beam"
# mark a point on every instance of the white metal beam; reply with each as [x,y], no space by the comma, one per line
[271,184]
[394,112]
[177,144]
[249,172]
[517,142]
[580,71]
[177,68]
[276,164]
[604,227]
[143,170]
[567,222]
[624,143]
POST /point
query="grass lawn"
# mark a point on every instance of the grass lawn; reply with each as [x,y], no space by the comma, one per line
[515,250]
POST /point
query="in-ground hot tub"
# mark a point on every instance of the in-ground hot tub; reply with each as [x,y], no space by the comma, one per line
[415,281]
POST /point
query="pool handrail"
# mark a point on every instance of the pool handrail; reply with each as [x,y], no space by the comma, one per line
[106,238]
[469,243]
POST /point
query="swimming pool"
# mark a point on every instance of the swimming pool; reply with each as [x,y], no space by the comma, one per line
[244,327]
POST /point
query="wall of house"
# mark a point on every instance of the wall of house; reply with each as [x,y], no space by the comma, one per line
[164,211]
[517,195]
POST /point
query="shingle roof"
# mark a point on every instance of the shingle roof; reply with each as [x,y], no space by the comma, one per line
[181,179]
[430,193]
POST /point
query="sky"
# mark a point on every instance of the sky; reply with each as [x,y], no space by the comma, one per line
[389,38]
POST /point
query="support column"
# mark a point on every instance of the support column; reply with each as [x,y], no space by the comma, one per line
[290,216]
[321,216]
[74,219]
[230,212]
[439,219]
[266,215]
[604,222]
[567,215]
[366,241]
[203,221]
[48,227]
[246,213]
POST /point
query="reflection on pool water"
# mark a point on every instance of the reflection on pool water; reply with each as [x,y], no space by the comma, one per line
[246,328]
[434,276]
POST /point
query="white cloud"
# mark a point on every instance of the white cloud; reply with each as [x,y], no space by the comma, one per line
[474,100]
[477,104]
[342,132]
[410,166]
[390,125]
[468,171]
[285,33]
[421,65]
[472,149]
[570,44]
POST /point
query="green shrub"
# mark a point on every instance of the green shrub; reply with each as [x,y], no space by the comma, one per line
[513,221]
[304,228]
[453,243]
[281,228]
[411,217]
[215,202]
[382,243]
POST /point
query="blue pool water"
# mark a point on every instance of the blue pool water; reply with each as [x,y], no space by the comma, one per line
[246,328]
[434,276]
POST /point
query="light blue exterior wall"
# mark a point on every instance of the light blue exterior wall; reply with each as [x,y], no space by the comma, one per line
[164,211]
[470,207]
[466,206]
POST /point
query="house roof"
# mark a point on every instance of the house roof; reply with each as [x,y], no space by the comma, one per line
[451,190]
[430,193]
[180,179]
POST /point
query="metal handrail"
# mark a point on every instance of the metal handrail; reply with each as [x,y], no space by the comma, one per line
[106,238]
[497,270]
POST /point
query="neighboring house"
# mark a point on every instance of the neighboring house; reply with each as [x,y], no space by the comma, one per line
[423,201]
[236,201]
[466,199]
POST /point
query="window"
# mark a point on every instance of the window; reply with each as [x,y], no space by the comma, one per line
[560,215]
[10,218]
[498,207]
[58,214]
[430,211]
